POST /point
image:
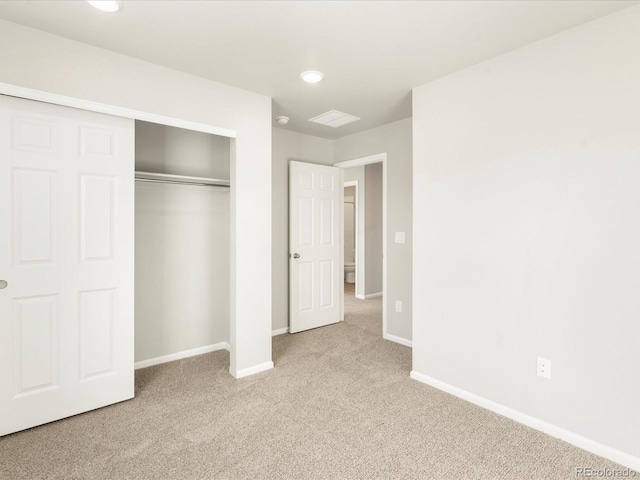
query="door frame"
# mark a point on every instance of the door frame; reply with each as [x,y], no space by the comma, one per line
[67,101]
[352,183]
[358,162]
[54,98]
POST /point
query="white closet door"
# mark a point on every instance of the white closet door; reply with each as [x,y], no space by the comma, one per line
[66,262]
[314,242]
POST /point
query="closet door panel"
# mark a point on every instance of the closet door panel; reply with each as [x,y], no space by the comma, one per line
[34,202]
[97,217]
[66,262]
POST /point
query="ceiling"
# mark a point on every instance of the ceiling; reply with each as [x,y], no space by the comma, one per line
[372,53]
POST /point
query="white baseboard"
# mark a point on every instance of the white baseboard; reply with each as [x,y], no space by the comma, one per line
[279,331]
[371,295]
[180,355]
[400,340]
[570,437]
[245,372]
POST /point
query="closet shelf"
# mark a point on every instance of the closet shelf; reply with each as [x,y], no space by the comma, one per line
[180,179]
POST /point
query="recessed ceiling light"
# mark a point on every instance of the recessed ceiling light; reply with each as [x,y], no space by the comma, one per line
[105,5]
[311,76]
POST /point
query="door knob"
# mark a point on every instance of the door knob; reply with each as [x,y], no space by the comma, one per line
[295,255]
[3,284]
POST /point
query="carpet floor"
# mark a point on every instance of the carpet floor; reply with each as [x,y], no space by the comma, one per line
[338,405]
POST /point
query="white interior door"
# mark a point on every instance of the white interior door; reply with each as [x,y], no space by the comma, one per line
[315,268]
[66,262]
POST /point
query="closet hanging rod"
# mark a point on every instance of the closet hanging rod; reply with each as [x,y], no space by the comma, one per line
[180,179]
[173,182]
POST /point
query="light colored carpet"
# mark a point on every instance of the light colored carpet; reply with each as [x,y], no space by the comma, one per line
[338,405]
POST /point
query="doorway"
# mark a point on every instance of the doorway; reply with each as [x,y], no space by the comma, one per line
[377,249]
[182,243]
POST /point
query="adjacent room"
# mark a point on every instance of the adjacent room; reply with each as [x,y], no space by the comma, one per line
[319,239]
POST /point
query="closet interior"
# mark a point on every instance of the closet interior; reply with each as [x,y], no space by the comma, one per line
[181,242]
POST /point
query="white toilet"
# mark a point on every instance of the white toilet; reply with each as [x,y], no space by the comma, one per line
[350,270]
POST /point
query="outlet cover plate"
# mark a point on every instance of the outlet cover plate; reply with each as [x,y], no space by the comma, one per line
[544,368]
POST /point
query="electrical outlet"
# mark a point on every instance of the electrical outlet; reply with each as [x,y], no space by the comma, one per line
[544,368]
[398,306]
[399,237]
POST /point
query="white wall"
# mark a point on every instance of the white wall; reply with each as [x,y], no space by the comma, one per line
[527,230]
[182,243]
[164,149]
[182,268]
[36,60]
[287,145]
[395,139]
[373,229]
[356,174]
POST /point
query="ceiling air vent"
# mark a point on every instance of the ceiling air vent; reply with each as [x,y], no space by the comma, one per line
[334,119]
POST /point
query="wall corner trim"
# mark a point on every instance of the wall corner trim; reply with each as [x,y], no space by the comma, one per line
[400,340]
[245,372]
[180,355]
[579,441]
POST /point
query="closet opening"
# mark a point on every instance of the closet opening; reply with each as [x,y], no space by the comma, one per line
[182,243]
